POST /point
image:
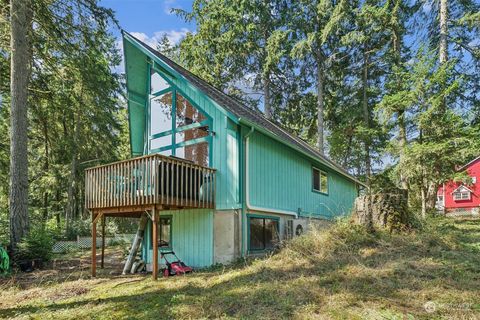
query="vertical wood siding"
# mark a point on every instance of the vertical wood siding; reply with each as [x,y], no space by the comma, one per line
[192,237]
[280,178]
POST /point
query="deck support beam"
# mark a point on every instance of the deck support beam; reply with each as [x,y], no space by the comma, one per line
[94,247]
[103,241]
[155,244]
[95,218]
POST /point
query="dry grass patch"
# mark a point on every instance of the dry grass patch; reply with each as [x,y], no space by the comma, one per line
[344,273]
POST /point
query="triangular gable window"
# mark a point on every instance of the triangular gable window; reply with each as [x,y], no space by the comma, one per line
[157,83]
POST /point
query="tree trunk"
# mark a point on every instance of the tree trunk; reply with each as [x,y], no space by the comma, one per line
[46,167]
[402,134]
[266,100]
[443,51]
[402,141]
[20,15]
[366,117]
[443,48]
[320,105]
[424,203]
[72,182]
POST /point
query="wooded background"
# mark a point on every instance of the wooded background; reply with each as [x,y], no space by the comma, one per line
[388,89]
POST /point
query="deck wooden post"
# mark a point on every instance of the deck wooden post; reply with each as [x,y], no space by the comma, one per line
[94,245]
[155,244]
[103,240]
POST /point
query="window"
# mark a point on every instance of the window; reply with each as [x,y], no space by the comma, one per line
[263,233]
[440,198]
[461,195]
[474,180]
[157,83]
[161,114]
[319,181]
[186,113]
[198,153]
[176,126]
[164,232]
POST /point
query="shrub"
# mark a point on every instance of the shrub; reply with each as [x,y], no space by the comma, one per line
[36,245]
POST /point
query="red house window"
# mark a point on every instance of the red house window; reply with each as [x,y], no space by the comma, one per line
[461,195]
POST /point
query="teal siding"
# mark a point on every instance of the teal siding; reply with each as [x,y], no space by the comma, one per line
[192,237]
[280,178]
[224,157]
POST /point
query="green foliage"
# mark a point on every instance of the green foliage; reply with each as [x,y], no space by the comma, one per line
[77,116]
[36,245]
[443,139]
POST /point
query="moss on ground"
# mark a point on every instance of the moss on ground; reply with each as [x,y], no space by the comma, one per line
[344,273]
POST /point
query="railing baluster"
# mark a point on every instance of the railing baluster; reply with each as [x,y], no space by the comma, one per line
[110,187]
[144,180]
[160,180]
[102,187]
[157,178]
[153,179]
[168,184]
[182,167]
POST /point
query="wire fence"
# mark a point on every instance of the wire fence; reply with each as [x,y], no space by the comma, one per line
[86,242]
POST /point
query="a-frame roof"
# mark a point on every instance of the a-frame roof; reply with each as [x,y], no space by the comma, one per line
[244,114]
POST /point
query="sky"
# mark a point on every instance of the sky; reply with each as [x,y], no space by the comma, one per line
[150,19]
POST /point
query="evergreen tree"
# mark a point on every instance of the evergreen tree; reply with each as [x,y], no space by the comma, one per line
[74,118]
[240,45]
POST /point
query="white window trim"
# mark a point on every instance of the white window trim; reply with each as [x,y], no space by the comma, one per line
[458,196]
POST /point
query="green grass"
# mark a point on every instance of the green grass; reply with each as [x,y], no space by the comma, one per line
[344,273]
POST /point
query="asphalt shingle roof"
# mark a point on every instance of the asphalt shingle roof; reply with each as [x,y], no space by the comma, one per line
[244,113]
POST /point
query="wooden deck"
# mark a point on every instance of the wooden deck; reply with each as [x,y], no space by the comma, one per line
[152,180]
[145,184]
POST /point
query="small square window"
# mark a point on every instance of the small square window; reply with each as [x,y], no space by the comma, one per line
[474,179]
[319,180]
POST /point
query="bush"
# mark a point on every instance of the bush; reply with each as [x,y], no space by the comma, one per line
[36,245]
[80,228]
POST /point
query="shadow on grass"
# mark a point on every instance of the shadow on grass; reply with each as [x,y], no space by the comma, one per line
[394,274]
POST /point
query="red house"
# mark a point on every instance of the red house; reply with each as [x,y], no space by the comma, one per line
[455,198]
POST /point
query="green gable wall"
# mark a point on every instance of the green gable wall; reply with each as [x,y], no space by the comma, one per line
[280,178]
[225,142]
[136,68]
[192,237]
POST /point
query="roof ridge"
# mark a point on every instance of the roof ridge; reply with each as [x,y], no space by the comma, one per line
[240,110]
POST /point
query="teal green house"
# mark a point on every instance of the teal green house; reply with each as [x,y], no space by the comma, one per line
[269,184]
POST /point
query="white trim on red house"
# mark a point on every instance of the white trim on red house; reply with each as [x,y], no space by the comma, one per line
[468,164]
[461,186]
[462,193]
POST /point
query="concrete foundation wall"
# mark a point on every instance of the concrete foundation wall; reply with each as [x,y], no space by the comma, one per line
[226,236]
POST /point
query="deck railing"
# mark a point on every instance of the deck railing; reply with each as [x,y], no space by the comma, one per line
[150,180]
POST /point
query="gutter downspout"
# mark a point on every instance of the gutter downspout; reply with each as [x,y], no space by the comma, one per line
[247,196]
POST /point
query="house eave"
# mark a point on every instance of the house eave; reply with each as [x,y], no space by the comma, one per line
[317,159]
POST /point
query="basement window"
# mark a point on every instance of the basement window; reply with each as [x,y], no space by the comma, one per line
[319,181]
[263,233]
